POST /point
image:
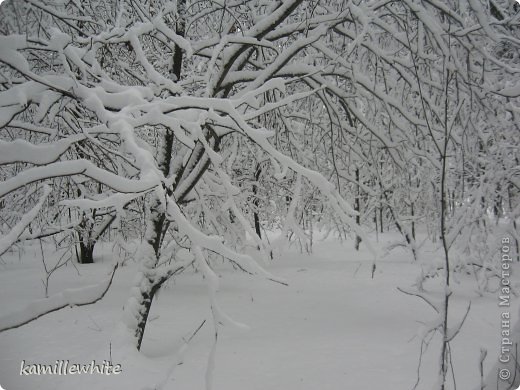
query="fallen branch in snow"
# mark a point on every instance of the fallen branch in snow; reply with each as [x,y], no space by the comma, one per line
[278,281]
[69,297]
[179,359]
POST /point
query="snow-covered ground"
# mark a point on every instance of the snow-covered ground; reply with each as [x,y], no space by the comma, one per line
[333,327]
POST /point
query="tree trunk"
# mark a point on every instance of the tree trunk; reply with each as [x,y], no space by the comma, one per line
[256,201]
[86,252]
[381,218]
[149,284]
[257,224]
[412,212]
[357,207]
[86,239]
[403,230]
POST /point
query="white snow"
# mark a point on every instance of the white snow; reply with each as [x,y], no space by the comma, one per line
[332,328]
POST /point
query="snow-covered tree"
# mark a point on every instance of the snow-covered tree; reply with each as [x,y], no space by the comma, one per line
[146,101]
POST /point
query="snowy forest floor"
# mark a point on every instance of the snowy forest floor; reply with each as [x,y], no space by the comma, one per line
[332,328]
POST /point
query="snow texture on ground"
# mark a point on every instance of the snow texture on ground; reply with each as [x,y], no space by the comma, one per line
[332,328]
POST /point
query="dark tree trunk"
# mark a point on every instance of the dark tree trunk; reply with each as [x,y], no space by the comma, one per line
[375,220]
[149,284]
[381,218]
[357,207]
[86,237]
[256,201]
[412,211]
[257,225]
[86,252]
